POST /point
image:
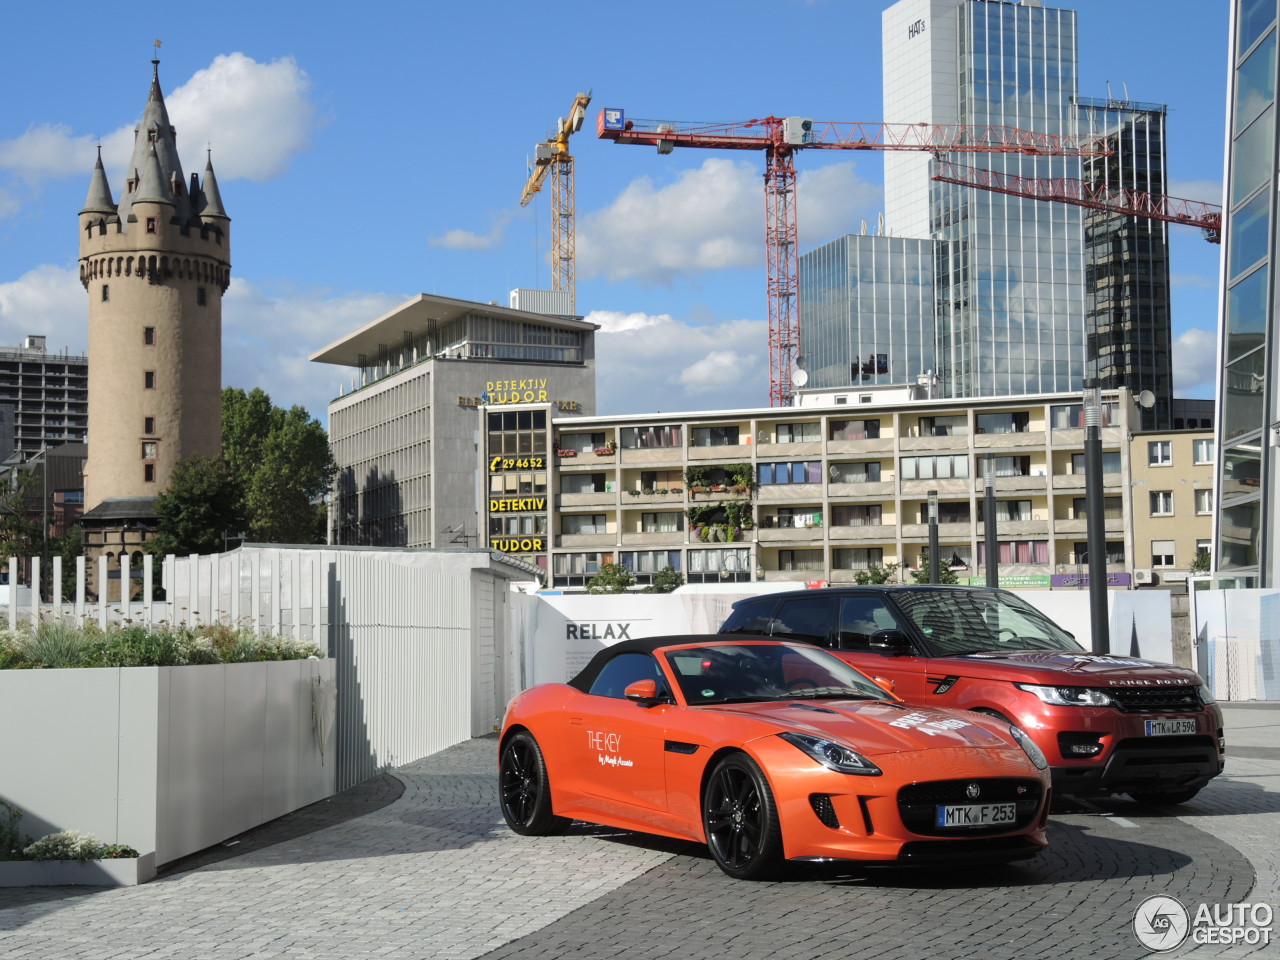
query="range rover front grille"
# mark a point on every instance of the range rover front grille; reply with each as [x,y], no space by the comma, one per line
[1181,699]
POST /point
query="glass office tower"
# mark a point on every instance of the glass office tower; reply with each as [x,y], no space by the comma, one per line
[1009,273]
[867,304]
[1249,413]
[1128,329]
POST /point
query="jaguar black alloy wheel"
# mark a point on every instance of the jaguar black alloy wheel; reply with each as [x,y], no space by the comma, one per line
[524,792]
[741,820]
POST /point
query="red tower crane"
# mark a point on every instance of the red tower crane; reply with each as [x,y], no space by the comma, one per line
[1136,203]
[780,138]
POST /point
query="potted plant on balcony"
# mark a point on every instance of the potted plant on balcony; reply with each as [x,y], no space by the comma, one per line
[566,452]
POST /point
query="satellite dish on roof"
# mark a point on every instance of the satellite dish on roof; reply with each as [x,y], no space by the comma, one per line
[799,376]
[1146,399]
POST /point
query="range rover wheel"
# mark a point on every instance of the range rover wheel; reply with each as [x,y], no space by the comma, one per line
[523,789]
[741,820]
[1165,798]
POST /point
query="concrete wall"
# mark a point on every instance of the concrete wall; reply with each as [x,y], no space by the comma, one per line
[165,759]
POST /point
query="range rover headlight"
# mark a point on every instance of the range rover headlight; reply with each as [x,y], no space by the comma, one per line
[1033,752]
[832,755]
[1202,692]
[1068,696]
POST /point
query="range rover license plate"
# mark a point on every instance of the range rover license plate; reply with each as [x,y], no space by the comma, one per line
[977,814]
[1170,728]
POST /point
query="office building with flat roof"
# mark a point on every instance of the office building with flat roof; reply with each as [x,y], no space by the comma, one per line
[439,383]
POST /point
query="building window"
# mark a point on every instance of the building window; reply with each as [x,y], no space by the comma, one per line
[645,438]
[1204,548]
[953,426]
[1008,511]
[148,424]
[865,471]
[148,449]
[1162,503]
[715,436]
[106,292]
[661,522]
[1112,508]
[151,224]
[804,560]
[1114,548]
[583,483]
[149,472]
[933,468]
[1016,551]
[589,523]
[1110,462]
[149,336]
[1160,453]
[799,471]
[855,430]
[799,433]
[1017,422]
[1204,501]
[857,558]
[149,379]
[1162,553]
[1203,450]
[201,297]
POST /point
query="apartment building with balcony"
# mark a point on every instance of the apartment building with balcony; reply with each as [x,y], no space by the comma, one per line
[49,394]
[1173,502]
[827,488]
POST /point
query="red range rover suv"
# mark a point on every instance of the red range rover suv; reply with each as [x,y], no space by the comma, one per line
[1108,724]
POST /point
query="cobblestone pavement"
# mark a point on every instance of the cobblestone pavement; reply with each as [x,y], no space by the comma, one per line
[419,865]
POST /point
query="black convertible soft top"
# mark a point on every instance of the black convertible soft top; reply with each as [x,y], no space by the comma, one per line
[587,676]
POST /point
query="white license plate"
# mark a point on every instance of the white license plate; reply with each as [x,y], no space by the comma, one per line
[1170,728]
[977,814]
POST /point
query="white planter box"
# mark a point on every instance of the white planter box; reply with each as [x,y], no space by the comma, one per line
[91,873]
[168,760]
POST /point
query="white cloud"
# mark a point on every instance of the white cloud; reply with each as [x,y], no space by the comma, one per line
[469,240]
[711,218]
[47,301]
[1194,363]
[1205,191]
[1192,281]
[267,336]
[256,116]
[648,362]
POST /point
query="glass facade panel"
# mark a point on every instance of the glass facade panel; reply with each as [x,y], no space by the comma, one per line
[1241,471]
[1247,313]
[1252,18]
[1255,83]
[1238,530]
[1250,155]
[1250,233]
[1243,409]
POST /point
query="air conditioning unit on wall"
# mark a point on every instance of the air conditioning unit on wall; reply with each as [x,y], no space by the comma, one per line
[1144,576]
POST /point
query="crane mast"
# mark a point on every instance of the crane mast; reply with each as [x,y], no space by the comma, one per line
[552,157]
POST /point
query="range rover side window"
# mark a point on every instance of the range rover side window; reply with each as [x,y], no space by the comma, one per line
[749,618]
[862,616]
[811,619]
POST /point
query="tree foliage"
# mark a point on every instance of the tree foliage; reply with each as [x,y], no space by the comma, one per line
[276,467]
[282,461]
[19,531]
[612,578]
[945,574]
[876,573]
[665,580]
[201,504]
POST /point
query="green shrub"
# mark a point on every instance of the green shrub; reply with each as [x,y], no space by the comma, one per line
[11,839]
[67,845]
[55,645]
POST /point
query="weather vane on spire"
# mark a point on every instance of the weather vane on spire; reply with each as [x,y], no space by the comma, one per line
[156,58]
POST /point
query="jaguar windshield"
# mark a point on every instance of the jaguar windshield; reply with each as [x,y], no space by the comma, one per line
[959,622]
[743,673]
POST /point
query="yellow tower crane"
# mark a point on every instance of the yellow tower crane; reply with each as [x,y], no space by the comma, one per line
[552,155]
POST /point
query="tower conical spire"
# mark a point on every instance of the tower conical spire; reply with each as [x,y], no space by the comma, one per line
[212,199]
[152,187]
[154,136]
[99,198]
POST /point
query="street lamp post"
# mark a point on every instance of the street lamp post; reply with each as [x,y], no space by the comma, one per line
[1095,520]
[989,524]
[933,536]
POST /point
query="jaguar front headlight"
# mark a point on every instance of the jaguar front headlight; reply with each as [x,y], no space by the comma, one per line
[832,755]
[1068,696]
[1033,752]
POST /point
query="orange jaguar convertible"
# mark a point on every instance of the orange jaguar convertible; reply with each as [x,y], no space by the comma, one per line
[768,752]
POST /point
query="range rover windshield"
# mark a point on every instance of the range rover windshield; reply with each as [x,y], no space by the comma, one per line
[959,622]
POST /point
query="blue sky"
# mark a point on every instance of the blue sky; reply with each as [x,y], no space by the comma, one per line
[367,153]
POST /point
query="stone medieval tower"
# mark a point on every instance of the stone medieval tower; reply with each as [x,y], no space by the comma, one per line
[155,266]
